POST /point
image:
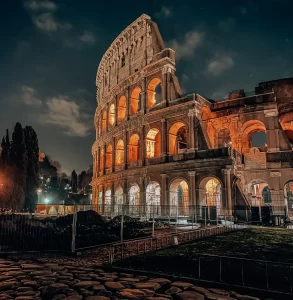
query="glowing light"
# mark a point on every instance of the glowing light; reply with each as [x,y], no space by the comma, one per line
[46,200]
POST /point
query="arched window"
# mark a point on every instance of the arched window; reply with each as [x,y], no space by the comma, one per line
[179,198]
[121,109]
[134,101]
[111,115]
[133,148]
[109,155]
[224,139]
[177,138]
[154,95]
[119,153]
[104,121]
[153,143]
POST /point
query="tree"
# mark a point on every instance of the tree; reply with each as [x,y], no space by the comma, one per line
[18,162]
[5,145]
[74,181]
[32,171]
[82,181]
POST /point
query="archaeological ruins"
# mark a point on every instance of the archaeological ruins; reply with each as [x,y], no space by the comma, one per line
[158,152]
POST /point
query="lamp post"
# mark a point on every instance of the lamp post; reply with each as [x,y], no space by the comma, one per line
[46,202]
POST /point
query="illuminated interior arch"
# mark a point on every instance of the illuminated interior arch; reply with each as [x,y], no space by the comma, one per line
[153,198]
[101,159]
[179,195]
[133,148]
[154,95]
[134,195]
[134,101]
[288,197]
[104,121]
[249,129]
[109,156]
[108,201]
[118,200]
[111,117]
[177,138]
[119,153]
[258,193]
[121,109]
[153,143]
[210,193]
[223,138]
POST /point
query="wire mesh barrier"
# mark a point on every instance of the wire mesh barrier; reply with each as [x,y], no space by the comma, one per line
[130,248]
[21,232]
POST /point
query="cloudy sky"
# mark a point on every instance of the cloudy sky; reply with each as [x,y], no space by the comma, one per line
[50,51]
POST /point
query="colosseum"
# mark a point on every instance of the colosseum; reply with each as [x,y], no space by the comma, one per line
[161,153]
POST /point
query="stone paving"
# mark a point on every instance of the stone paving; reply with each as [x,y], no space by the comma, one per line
[27,279]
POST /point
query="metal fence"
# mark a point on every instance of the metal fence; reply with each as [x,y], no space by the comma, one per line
[265,275]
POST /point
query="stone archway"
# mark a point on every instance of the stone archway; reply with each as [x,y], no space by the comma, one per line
[154,95]
[134,200]
[101,159]
[177,138]
[223,138]
[259,196]
[119,159]
[109,156]
[153,143]
[134,101]
[121,109]
[118,200]
[210,198]
[108,202]
[179,197]
[104,121]
[153,198]
[111,115]
[133,148]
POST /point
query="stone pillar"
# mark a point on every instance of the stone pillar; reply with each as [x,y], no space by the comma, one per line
[143,103]
[116,110]
[272,132]
[112,198]
[113,153]
[164,85]
[107,117]
[227,195]
[143,150]
[191,140]
[164,137]
[192,200]
[104,160]
[127,95]
[126,148]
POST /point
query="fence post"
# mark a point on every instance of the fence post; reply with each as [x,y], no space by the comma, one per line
[220,269]
[267,279]
[122,224]
[153,226]
[74,220]
[199,267]
[242,272]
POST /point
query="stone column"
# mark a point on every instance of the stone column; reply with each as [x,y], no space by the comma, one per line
[227,195]
[143,145]
[126,148]
[112,198]
[164,192]
[272,132]
[191,140]
[164,137]
[164,85]
[143,94]
[107,117]
[116,110]
[127,95]
[113,153]
[192,200]
[104,159]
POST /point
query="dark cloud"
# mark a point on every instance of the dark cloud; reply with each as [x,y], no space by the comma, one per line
[50,51]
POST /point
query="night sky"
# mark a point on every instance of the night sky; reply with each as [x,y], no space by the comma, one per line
[50,51]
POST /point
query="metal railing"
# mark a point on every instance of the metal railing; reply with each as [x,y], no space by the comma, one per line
[130,248]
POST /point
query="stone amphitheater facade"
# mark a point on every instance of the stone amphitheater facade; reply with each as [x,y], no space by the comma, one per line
[160,153]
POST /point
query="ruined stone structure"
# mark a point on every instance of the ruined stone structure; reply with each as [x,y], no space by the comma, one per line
[156,149]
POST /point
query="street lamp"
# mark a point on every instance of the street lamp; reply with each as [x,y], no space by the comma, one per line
[46,201]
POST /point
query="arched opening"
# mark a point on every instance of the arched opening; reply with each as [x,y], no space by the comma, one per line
[109,156]
[259,196]
[179,197]
[135,100]
[104,121]
[121,109]
[224,139]
[177,138]
[253,135]
[154,94]
[118,200]
[101,159]
[153,143]
[211,199]
[134,199]
[108,202]
[288,194]
[133,148]
[119,153]
[153,198]
[111,115]
[289,134]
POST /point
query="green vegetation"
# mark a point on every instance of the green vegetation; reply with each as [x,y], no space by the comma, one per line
[257,243]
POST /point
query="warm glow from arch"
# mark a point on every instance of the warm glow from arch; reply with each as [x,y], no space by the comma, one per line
[153,143]
[134,101]
[109,155]
[121,109]
[179,195]
[104,120]
[119,153]
[153,92]
[111,115]
[177,138]
[101,159]
[133,148]
[248,129]
[223,138]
